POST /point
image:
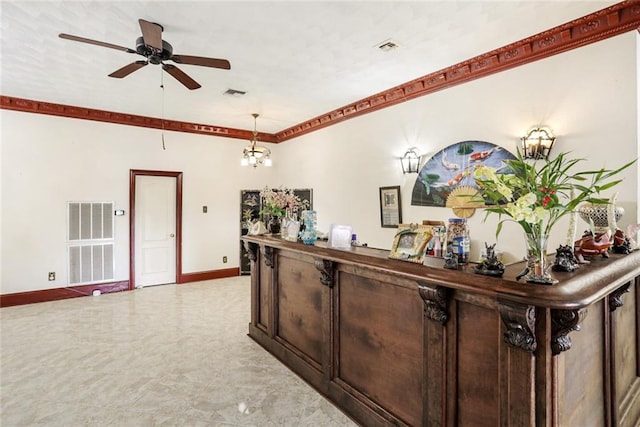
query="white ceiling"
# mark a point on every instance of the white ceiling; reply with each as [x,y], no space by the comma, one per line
[295,59]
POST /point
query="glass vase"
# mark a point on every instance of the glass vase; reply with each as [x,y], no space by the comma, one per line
[284,226]
[537,265]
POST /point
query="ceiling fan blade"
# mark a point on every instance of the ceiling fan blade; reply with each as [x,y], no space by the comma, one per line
[151,33]
[199,60]
[181,76]
[128,69]
[95,42]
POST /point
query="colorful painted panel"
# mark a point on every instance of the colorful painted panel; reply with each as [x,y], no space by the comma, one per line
[452,168]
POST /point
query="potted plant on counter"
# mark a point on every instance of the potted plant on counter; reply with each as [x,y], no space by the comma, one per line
[277,204]
[536,195]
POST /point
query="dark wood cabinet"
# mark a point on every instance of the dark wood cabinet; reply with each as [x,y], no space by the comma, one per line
[394,343]
[250,206]
[249,209]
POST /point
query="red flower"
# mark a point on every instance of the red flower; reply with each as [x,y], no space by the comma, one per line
[546,190]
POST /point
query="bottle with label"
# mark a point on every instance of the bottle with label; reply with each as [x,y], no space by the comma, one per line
[458,241]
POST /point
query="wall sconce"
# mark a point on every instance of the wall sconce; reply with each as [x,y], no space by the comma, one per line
[410,161]
[537,143]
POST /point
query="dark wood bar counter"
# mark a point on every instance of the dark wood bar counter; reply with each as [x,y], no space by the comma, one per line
[396,343]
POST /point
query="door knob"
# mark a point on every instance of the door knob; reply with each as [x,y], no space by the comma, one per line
[172,235]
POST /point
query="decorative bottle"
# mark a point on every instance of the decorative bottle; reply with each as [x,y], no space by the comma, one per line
[458,241]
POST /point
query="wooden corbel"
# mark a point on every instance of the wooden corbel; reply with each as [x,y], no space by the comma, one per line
[615,298]
[252,250]
[435,301]
[520,321]
[562,323]
[325,268]
[268,256]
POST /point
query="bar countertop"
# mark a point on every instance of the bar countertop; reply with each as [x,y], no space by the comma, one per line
[588,284]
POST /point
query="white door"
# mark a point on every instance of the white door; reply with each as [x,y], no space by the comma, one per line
[155,223]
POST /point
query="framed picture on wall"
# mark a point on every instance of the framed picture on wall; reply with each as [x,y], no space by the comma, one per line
[390,207]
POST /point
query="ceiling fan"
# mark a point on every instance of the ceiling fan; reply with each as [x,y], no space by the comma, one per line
[156,51]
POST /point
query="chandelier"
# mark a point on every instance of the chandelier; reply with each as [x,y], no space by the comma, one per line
[254,154]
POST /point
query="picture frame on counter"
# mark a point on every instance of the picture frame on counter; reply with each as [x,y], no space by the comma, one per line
[410,242]
[390,207]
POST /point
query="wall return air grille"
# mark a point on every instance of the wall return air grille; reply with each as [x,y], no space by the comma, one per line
[90,241]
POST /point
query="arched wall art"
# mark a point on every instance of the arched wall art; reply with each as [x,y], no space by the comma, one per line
[452,168]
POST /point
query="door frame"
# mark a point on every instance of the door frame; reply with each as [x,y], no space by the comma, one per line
[133,174]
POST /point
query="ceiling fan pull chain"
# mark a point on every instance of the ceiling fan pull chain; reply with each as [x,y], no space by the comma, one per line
[162,118]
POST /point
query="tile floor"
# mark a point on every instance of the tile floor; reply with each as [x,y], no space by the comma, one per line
[159,356]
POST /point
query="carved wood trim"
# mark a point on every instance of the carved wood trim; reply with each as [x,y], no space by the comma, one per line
[520,321]
[435,302]
[269,259]
[73,112]
[252,250]
[600,25]
[325,268]
[597,26]
[562,323]
[615,298]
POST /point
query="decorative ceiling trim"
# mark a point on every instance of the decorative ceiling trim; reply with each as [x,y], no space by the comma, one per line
[609,22]
[30,106]
[600,25]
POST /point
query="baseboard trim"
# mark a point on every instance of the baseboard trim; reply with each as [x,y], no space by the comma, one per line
[209,275]
[44,295]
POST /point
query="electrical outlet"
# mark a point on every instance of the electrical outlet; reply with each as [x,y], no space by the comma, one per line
[52,276]
[224,259]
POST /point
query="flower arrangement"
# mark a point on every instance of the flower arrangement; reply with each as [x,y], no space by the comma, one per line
[277,202]
[537,195]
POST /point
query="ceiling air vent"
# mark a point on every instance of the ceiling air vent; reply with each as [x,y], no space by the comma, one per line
[234,92]
[388,45]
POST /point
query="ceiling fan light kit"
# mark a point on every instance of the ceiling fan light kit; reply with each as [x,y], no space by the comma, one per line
[156,51]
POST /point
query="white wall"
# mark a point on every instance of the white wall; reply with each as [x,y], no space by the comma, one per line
[588,96]
[48,161]
[637,36]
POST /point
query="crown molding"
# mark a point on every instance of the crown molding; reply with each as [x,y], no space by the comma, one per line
[69,111]
[600,25]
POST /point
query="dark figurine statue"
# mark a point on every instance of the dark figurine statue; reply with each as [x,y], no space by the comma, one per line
[621,243]
[450,260]
[491,266]
[565,259]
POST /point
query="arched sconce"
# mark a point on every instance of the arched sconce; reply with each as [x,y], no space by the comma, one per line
[410,161]
[537,143]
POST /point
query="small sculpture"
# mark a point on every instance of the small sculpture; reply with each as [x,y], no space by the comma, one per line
[590,245]
[257,228]
[621,243]
[450,260]
[565,259]
[490,266]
